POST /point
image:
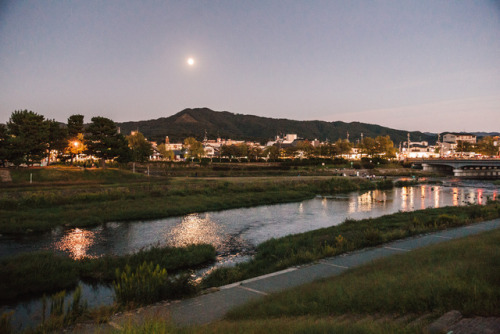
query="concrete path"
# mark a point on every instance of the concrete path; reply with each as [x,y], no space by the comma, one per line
[213,306]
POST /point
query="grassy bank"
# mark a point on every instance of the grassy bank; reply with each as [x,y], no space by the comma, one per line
[399,294]
[41,207]
[459,275]
[281,253]
[45,272]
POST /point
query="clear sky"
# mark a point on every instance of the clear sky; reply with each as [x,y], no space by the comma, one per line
[425,65]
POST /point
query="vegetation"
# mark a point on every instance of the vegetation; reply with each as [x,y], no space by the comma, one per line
[42,272]
[347,325]
[104,141]
[124,196]
[459,275]
[281,253]
[193,122]
[148,284]
[24,145]
[140,148]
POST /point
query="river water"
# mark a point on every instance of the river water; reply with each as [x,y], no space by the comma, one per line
[234,233]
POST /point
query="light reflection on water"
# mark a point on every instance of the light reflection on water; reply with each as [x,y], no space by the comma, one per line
[235,233]
[76,243]
[194,229]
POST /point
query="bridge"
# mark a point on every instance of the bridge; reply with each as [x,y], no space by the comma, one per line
[463,168]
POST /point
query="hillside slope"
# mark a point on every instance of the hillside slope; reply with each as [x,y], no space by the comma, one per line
[194,122]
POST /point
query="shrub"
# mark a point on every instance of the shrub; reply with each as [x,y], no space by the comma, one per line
[372,236]
[149,284]
[447,220]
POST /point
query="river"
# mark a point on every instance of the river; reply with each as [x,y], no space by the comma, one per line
[234,233]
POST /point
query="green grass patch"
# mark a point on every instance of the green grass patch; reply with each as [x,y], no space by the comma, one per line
[458,275]
[281,253]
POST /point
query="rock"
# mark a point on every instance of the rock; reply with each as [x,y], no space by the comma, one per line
[444,322]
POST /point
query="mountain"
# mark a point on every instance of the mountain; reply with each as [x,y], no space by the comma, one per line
[484,134]
[194,123]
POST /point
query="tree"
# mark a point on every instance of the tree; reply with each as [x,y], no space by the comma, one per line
[368,146]
[306,147]
[76,146]
[58,138]
[75,143]
[75,125]
[195,148]
[385,146]
[4,144]
[464,146]
[167,154]
[29,136]
[254,152]
[343,147]
[486,146]
[103,140]
[272,152]
[140,148]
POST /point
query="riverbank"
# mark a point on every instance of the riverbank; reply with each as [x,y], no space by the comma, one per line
[459,275]
[281,253]
[95,197]
[307,247]
[427,282]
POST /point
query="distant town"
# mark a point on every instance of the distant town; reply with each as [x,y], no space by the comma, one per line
[29,139]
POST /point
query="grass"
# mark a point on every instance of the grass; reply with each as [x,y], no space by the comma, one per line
[399,294]
[459,275]
[45,272]
[41,207]
[281,253]
[282,325]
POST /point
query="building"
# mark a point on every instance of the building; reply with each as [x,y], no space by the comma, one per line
[453,138]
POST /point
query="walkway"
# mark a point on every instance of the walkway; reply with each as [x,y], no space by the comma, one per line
[213,306]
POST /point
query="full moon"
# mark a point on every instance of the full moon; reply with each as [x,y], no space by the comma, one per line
[190,61]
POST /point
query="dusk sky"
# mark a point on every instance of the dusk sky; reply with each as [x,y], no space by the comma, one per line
[412,65]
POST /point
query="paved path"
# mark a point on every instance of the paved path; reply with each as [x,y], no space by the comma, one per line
[213,306]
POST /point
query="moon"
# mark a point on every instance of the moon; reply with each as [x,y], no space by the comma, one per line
[190,61]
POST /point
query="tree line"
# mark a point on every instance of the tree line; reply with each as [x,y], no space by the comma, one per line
[486,146]
[28,138]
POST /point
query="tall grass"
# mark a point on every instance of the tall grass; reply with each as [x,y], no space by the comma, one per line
[44,272]
[148,284]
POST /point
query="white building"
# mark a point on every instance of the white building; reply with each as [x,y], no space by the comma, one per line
[453,138]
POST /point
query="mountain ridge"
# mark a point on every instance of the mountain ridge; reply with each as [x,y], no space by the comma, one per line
[193,122]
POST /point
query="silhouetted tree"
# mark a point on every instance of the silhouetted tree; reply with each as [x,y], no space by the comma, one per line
[4,144]
[29,137]
[75,125]
[103,141]
[58,138]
